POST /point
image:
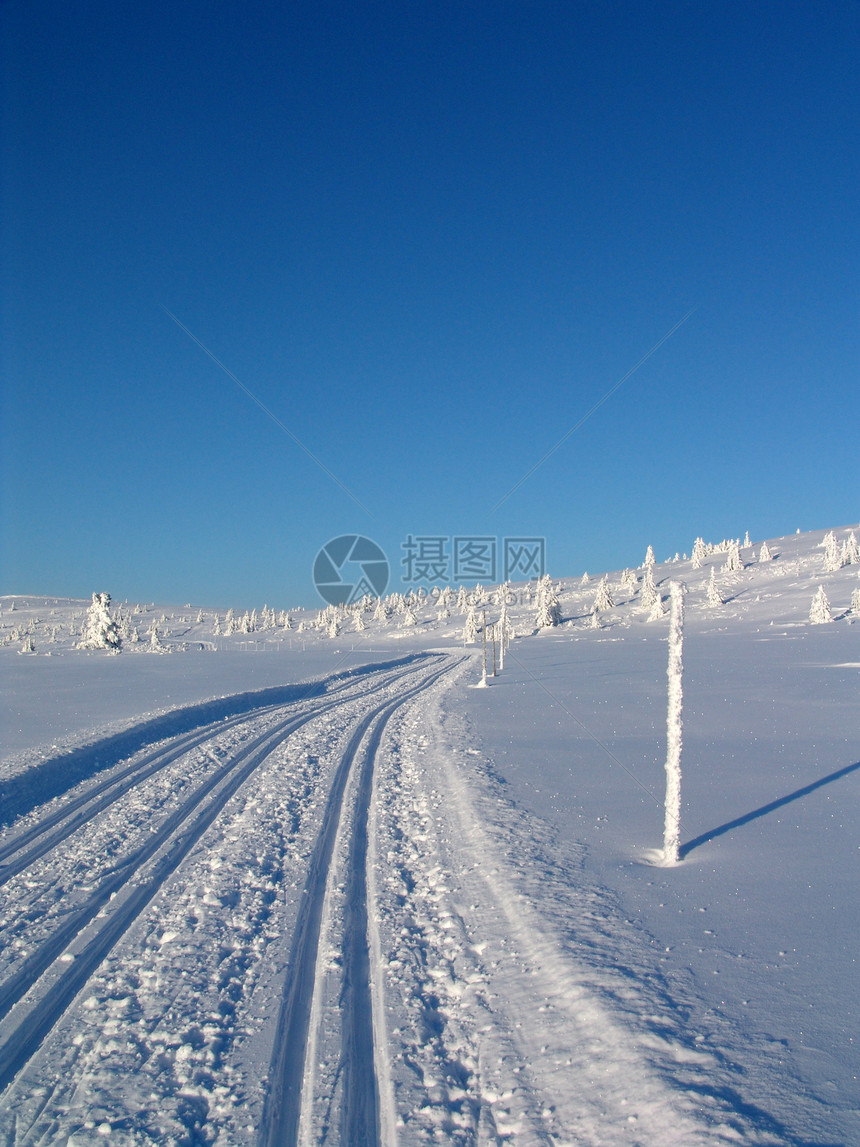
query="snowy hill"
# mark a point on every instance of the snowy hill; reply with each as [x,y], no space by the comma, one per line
[534,976]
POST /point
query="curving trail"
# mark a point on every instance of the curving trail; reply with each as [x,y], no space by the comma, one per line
[59,926]
[288,1078]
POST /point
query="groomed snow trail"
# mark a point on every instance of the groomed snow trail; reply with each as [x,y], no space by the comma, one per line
[294,1089]
[87,882]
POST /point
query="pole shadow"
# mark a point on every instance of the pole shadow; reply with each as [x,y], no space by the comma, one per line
[687,848]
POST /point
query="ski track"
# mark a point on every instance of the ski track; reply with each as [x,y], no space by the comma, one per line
[57,945]
[351,1077]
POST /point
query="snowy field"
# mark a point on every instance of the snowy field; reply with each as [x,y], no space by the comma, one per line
[280,879]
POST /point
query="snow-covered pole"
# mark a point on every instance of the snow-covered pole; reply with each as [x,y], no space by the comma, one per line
[672,826]
[484,645]
[503,626]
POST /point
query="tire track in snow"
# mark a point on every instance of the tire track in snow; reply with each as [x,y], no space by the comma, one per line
[166,848]
[285,1099]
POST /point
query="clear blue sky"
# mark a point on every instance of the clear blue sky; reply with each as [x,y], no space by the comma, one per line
[428,238]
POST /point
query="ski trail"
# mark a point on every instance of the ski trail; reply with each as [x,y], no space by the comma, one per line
[287,1116]
[94,927]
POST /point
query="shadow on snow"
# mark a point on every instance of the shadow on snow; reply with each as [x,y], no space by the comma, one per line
[687,848]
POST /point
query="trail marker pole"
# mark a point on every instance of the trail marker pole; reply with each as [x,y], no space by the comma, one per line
[672,824]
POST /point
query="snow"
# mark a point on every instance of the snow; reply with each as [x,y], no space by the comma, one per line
[530,973]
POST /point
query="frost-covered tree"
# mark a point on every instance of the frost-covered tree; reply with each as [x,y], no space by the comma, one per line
[855,603]
[648,594]
[462,600]
[594,621]
[649,558]
[700,552]
[585,579]
[747,541]
[27,645]
[333,625]
[603,597]
[734,562]
[548,611]
[409,617]
[764,554]
[358,621]
[100,629]
[819,611]
[629,581]
[657,609]
[850,552]
[714,596]
[832,555]
[470,629]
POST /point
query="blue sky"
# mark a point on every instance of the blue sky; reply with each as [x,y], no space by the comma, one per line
[428,238]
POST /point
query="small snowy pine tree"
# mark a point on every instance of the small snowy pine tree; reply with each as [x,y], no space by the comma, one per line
[714,596]
[648,594]
[832,556]
[100,629]
[603,597]
[819,611]
[470,629]
[850,551]
[734,562]
[548,611]
[764,554]
[855,603]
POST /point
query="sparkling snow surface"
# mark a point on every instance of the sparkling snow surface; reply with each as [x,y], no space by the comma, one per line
[372,903]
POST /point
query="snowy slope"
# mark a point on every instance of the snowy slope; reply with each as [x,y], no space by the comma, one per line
[391,907]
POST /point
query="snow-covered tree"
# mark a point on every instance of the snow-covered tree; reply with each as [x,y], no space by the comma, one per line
[734,562]
[594,621]
[648,594]
[585,579]
[658,610]
[100,629]
[819,611]
[699,553]
[764,554]
[714,596]
[462,600]
[629,581]
[603,597]
[832,555]
[747,541]
[855,603]
[409,617]
[649,558]
[548,611]
[470,629]
[850,551]
[27,646]
[358,621]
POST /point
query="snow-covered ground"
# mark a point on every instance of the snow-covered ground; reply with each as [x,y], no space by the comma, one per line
[312,884]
